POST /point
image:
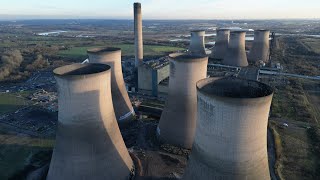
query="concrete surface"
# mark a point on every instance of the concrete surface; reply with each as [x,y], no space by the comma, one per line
[231,134]
[121,102]
[88,140]
[178,119]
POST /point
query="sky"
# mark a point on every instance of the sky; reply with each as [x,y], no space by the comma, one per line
[161,9]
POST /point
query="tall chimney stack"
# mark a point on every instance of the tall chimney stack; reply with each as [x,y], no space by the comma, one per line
[138,42]
[231,133]
[88,140]
[236,53]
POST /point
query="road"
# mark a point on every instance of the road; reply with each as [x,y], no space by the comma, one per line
[288,74]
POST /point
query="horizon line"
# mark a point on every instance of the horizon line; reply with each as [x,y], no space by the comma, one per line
[150,19]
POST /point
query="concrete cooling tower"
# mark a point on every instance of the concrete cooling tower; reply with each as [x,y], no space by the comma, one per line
[221,45]
[178,119]
[236,52]
[197,45]
[88,140]
[260,46]
[121,102]
[231,135]
[138,42]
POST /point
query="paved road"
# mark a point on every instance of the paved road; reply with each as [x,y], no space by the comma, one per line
[288,74]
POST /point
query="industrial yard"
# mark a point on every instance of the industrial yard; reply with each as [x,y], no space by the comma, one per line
[154,95]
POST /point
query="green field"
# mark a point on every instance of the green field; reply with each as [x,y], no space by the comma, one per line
[10,102]
[18,151]
[127,50]
[312,44]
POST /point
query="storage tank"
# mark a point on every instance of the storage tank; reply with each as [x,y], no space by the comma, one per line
[178,119]
[138,42]
[231,133]
[197,44]
[221,44]
[88,140]
[260,46]
[236,52]
[121,101]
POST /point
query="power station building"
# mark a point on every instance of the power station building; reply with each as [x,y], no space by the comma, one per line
[121,101]
[221,44]
[178,119]
[236,52]
[151,75]
[197,44]
[260,46]
[231,133]
[88,140]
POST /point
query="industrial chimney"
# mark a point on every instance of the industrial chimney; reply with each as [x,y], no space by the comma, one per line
[121,102]
[138,42]
[231,133]
[236,53]
[197,45]
[178,120]
[221,45]
[260,46]
[88,140]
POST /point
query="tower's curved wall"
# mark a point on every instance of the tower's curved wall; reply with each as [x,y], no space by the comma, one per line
[236,52]
[178,119]
[121,102]
[260,46]
[231,134]
[197,44]
[221,45]
[88,140]
[138,42]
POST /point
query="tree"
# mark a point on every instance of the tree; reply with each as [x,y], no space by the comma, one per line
[10,61]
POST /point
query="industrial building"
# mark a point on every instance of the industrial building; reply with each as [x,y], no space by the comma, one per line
[151,75]
[88,140]
[231,133]
[221,44]
[121,102]
[138,42]
[260,47]
[178,119]
[236,52]
[197,44]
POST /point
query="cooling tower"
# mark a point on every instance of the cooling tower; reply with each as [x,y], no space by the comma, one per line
[236,53]
[88,140]
[197,46]
[121,102]
[138,42]
[221,45]
[260,46]
[178,119]
[231,135]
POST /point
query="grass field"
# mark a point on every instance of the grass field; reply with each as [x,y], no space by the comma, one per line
[296,103]
[10,102]
[127,50]
[312,44]
[17,151]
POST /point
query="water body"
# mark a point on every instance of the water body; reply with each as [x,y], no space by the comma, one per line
[51,33]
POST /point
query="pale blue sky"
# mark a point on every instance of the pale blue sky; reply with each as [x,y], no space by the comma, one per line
[162,9]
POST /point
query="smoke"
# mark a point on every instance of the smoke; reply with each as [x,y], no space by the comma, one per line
[10,61]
